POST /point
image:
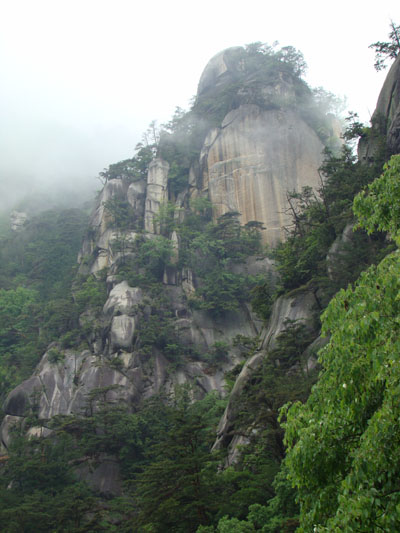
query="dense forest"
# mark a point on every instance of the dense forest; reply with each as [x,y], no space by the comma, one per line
[318,417]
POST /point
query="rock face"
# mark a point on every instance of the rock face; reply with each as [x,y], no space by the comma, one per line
[257,156]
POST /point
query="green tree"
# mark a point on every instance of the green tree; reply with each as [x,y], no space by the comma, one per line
[343,442]
[39,490]
[388,49]
[212,254]
[179,489]
[19,331]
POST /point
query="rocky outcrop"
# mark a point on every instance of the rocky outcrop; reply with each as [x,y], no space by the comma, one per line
[156,193]
[18,219]
[299,308]
[386,118]
[65,379]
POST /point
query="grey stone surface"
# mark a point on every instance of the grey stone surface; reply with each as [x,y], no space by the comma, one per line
[122,332]
[389,96]
[337,248]
[220,70]
[258,157]
[136,196]
[393,135]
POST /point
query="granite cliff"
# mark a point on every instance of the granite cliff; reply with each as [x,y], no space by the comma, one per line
[265,140]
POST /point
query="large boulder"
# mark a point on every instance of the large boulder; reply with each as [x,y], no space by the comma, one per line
[21,399]
[123,299]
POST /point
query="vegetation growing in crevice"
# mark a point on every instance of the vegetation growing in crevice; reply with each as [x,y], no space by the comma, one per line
[131,170]
[318,220]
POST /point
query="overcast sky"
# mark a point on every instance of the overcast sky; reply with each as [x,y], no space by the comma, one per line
[82,79]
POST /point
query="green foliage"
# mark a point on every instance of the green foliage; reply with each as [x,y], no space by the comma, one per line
[55,356]
[270,387]
[262,296]
[157,330]
[355,128]
[387,50]
[91,294]
[328,102]
[211,254]
[259,66]
[16,315]
[179,487]
[60,317]
[217,355]
[43,255]
[255,488]
[39,491]
[343,443]
[164,453]
[279,515]
[37,266]
[19,329]
[220,291]
[122,214]
[164,220]
[378,208]
[147,262]
[302,256]
[181,140]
